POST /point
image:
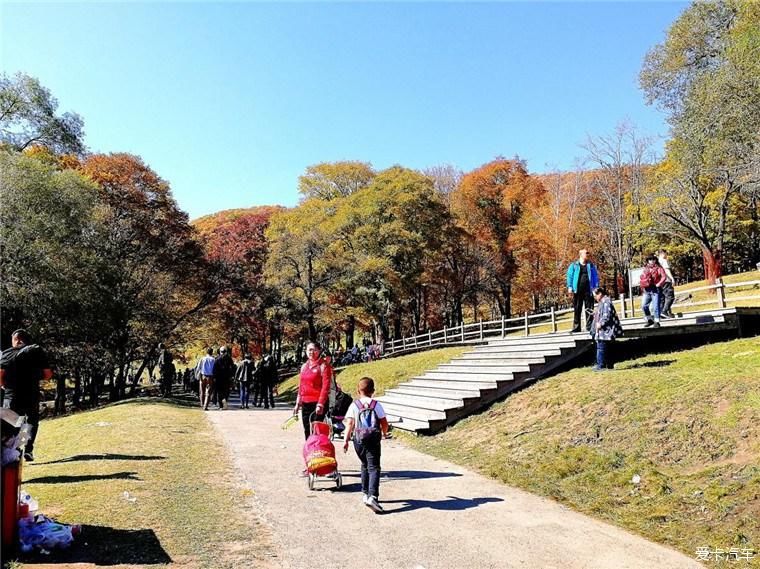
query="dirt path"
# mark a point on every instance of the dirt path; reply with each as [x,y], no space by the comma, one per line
[438,515]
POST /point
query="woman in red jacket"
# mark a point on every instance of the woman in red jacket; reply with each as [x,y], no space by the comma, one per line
[313,387]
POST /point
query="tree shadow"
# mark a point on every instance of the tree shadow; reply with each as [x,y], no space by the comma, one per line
[451,504]
[108,456]
[101,545]
[659,363]
[82,478]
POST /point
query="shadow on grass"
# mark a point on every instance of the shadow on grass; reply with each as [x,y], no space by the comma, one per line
[451,504]
[83,457]
[82,478]
[660,363]
[101,545]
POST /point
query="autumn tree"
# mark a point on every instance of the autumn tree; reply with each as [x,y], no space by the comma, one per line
[704,75]
[331,180]
[489,203]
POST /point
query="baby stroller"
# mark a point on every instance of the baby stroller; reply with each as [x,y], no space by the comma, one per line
[319,455]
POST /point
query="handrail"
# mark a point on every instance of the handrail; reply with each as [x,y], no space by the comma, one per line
[462,333]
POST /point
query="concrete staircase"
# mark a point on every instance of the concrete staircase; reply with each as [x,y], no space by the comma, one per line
[429,402]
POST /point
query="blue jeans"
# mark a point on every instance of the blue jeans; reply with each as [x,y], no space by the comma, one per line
[603,349]
[369,454]
[245,391]
[651,298]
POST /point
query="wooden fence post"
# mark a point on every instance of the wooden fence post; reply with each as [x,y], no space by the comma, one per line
[721,292]
[445,335]
[430,337]
[554,320]
[481,328]
[622,304]
[527,327]
[462,330]
[503,327]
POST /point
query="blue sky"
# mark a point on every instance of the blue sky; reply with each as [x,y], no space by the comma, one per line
[231,102]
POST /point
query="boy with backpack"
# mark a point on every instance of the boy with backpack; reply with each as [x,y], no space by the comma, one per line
[366,425]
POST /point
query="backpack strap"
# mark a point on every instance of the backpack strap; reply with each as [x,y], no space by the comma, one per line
[359,405]
[372,404]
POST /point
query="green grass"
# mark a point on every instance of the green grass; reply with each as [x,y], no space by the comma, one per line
[688,423]
[181,491]
[387,373]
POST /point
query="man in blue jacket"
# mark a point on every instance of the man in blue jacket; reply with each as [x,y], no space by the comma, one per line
[582,278]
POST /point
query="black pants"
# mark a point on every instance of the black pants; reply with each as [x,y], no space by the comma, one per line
[583,296]
[306,410]
[369,454]
[667,296]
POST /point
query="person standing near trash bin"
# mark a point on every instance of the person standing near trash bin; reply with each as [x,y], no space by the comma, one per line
[22,367]
[582,278]
[313,387]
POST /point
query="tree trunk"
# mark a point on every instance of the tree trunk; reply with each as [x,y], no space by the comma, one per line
[77,398]
[713,264]
[350,326]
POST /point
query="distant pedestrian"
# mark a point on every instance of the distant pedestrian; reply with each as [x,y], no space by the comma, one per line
[22,367]
[652,278]
[165,370]
[244,377]
[204,371]
[224,371]
[667,291]
[605,328]
[582,278]
[267,380]
[366,425]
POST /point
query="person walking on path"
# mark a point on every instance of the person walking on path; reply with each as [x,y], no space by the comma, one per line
[652,278]
[367,425]
[22,367]
[205,373]
[667,292]
[166,370]
[224,371]
[244,377]
[267,380]
[313,387]
[582,278]
[605,328]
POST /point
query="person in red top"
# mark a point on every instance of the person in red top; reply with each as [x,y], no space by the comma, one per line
[313,387]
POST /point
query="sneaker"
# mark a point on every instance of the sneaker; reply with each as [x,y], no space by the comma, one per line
[656,324]
[665,316]
[29,456]
[649,323]
[574,330]
[365,498]
[374,505]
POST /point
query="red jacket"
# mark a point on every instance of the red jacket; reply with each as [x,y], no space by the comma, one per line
[314,384]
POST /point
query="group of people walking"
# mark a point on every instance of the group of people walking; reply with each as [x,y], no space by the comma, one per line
[593,307]
[216,375]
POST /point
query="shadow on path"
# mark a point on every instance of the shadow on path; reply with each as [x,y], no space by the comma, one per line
[101,545]
[451,504]
[404,474]
[108,456]
[82,478]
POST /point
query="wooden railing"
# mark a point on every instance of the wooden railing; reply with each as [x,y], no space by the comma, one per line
[549,322]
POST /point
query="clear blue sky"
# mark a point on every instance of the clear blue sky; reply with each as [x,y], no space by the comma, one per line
[231,102]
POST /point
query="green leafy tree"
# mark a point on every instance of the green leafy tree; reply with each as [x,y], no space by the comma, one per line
[331,180]
[28,117]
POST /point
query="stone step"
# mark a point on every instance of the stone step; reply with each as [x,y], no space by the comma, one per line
[531,350]
[507,357]
[420,402]
[475,375]
[451,384]
[558,338]
[406,423]
[415,413]
[494,362]
[442,393]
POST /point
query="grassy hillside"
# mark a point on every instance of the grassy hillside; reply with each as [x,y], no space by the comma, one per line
[687,423]
[151,483]
[386,373]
